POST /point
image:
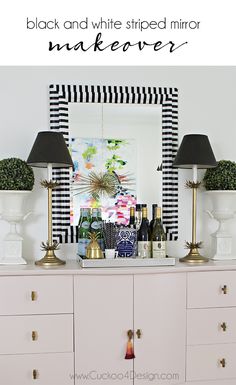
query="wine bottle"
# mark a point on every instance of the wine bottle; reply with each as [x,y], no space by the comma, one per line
[84,224]
[144,241]
[154,215]
[138,216]
[158,237]
[132,218]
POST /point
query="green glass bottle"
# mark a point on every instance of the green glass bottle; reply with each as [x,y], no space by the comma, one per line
[96,226]
[84,225]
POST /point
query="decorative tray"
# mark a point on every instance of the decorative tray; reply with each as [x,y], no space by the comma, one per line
[125,262]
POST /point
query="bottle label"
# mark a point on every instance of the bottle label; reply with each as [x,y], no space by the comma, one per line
[101,244]
[85,225]
[95,225]
[158,249]
[82,246]
[144,249]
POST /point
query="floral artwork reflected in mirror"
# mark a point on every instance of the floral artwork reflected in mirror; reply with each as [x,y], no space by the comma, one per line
[104,176]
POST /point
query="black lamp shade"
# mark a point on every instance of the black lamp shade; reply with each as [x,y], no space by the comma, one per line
[195,149]
[50,147]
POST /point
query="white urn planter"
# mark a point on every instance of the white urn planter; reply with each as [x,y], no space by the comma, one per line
[12,210]
[223,209]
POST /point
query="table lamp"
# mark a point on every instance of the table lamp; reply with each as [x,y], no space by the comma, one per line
[194,152]
[50,150]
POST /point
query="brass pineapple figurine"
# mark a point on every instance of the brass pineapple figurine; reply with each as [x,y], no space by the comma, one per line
[93,249]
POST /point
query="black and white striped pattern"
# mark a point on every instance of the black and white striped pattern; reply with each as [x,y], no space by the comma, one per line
[61,95]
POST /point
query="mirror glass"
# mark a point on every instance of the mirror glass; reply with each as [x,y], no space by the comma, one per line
[125,139]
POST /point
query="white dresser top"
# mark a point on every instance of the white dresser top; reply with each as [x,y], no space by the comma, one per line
[73,268]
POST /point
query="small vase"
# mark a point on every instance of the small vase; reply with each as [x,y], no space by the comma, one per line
[126,240]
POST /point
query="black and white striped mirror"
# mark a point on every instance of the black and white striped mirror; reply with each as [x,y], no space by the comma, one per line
[117,108]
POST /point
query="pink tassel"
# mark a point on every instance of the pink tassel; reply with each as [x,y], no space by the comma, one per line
[129,351]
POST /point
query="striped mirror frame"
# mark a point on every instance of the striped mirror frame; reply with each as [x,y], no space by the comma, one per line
[61,95]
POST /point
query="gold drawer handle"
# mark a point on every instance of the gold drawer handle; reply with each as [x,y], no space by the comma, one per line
[223,362]
[223,326]
[224,289]
[34,296]
[35,374]
[130,334]
[34,335]
[139,333]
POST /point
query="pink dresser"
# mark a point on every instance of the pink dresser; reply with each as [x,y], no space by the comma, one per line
[69,325]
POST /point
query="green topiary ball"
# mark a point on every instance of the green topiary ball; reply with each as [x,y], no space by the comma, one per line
[15,174]
[222,177]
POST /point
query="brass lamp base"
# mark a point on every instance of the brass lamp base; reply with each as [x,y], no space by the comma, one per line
[194,257]
[50,260]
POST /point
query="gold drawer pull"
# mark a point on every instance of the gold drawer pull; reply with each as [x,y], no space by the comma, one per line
[130,334]
[138,333]
[34,335]
[223,362]
[224,289]
[223,326]
[33,295]
[35,374]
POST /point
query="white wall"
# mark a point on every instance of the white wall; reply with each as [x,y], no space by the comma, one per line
[206,105]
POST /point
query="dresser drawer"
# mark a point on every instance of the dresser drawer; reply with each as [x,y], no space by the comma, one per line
[211,326]
[36,334]
[36,295]
[211,289]
[204,362]
[49,369]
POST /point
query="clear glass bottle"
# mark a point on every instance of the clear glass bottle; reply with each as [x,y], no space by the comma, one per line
[84,225]
[144,236]
[158,237]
